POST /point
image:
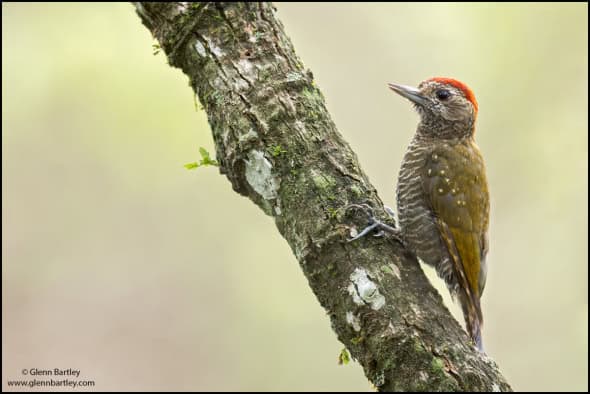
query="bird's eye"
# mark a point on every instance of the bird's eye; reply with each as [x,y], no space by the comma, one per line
[443,94]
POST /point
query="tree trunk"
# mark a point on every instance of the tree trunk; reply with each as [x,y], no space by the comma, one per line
[278,146]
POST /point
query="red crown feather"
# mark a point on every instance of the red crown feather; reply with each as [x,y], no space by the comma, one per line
[459,85]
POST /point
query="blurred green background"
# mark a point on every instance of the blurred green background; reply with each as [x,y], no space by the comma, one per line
[145,276]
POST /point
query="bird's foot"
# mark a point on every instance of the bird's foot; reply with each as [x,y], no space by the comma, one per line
[389,211]
[375,224]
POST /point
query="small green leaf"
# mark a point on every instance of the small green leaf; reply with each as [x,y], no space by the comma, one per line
[344,357]
[205,161]
[209,162]
[191,166]
[276,151]
[204,153]
[332,212]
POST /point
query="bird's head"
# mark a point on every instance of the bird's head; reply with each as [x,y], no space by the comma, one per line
[447,107]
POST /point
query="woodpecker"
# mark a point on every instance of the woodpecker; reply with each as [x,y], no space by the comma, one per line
[442,193]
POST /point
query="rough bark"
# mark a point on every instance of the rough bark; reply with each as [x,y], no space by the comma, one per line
[278,146]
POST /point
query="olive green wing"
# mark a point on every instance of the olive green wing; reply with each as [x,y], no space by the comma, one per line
[456,185]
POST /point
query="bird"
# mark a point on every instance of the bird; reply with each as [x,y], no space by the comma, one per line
[442,193]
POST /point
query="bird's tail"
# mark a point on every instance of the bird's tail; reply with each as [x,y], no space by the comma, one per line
[459,286]
[473,316]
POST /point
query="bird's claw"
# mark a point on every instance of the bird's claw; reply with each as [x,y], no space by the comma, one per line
[379,234]
[374,223]
[365,231]
[389,211]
